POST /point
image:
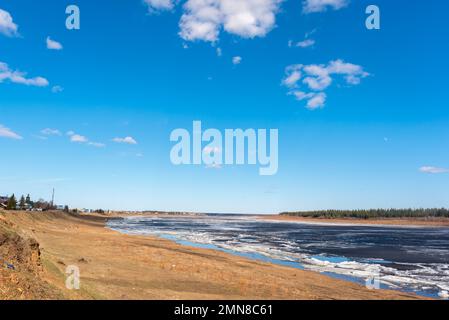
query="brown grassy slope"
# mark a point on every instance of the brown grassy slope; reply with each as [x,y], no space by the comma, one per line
[117,266]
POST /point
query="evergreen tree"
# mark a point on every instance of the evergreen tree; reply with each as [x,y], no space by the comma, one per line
[22,203]
[374,213]
[12,203]
[28,200]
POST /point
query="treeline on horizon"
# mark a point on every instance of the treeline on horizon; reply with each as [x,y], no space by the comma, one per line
[372,213]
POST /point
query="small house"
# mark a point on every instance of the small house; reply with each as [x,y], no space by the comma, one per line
[3,202]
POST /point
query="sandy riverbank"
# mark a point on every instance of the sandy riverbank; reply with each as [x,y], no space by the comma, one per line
[442,222]
[118,266]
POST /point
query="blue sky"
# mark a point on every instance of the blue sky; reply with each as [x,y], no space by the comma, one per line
[135,71]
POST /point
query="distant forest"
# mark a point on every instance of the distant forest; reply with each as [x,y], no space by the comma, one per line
[372,214]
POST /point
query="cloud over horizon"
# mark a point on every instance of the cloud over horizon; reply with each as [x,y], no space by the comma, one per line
[433,170]
[127,140]
[51,132]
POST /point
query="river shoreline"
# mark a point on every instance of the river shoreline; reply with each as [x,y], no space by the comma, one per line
[406,222]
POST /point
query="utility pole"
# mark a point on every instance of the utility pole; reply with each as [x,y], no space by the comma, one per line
[53,198]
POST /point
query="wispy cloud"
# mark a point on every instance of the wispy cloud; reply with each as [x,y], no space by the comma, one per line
[8,133]
[155,5]
[51,132]
[20,77]
[127,140]
[57,89]
[433,170]
[53,45]
[317,78]
[78,138]
[7,25]
[311,6]
[307,42]
[302,44]
[97,144]
[74,137]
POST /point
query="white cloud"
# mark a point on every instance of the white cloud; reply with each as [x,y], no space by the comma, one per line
[160,5]
[302,44]
[236,60]
[433,170]
[78,138]
[317,78]
[50,132]
[310,6]
[341,67]
[317,100]
[20,77]
[306,43]
[293,75]
[74,137]
[128,140]
[314,100]
[8,133]
[57,89]
[219,52]
[53,45]
[204,19]
[7,25]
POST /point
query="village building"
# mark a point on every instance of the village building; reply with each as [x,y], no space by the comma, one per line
[3,202]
